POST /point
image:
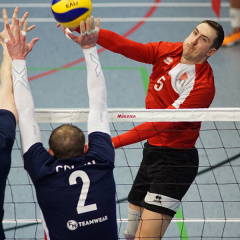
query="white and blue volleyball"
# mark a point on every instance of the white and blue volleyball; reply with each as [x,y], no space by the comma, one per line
[69,13]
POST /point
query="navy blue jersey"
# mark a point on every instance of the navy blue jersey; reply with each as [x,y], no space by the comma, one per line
[7,136]
[76,195]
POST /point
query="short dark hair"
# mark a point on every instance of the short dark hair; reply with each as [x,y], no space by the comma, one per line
[220,33]
[67,141]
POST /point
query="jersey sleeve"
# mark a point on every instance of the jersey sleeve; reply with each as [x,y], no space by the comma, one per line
[142,132]
[29,129]
[101,147]
[98,113]
[146,53]
[34,159]
[7,128]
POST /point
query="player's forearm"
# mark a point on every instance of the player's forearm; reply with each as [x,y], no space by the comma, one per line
[142,132]
[98,114]
[130,49]
[29,129]
[6,70]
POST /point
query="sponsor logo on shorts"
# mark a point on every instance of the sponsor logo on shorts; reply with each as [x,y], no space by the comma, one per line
[157,198]
[162,201]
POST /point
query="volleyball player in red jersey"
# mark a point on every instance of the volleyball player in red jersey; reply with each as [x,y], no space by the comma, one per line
[181,78]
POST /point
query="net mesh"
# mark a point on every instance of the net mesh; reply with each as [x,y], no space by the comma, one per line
[209,210]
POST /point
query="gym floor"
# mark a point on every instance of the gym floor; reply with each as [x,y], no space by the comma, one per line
[172,20]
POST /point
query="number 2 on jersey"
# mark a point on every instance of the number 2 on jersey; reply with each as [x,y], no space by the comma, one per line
[81,207]
[159,85]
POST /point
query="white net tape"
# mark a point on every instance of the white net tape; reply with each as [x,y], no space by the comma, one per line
[141,115]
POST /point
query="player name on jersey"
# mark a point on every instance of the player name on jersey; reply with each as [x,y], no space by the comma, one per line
[61,168]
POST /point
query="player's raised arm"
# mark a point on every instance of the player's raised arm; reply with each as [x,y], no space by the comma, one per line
[98,115]
[6,90]
[18,48]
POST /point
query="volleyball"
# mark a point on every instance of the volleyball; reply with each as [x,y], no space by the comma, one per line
[69,13]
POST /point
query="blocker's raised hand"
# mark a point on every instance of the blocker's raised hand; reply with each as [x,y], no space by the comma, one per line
[4,33]
[17,46]
[89,35]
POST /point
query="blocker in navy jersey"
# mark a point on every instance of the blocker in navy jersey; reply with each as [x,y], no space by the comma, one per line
[76,195]
[7,136]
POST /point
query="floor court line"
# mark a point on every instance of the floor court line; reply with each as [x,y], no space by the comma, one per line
[129,32]
[138,19]
[191,220]
[116,5]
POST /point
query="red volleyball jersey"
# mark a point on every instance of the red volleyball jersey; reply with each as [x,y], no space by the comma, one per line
[171,85]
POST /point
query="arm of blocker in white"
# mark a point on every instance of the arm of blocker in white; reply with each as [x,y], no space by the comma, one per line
[98,114]
[28,126]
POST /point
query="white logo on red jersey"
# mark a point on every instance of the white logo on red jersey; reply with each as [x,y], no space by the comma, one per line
[168,60]
[183,79]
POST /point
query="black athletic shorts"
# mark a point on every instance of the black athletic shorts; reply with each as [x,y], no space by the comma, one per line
[7,136]
[163,178]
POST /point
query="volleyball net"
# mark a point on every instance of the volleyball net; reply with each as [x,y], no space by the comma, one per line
[209,210]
